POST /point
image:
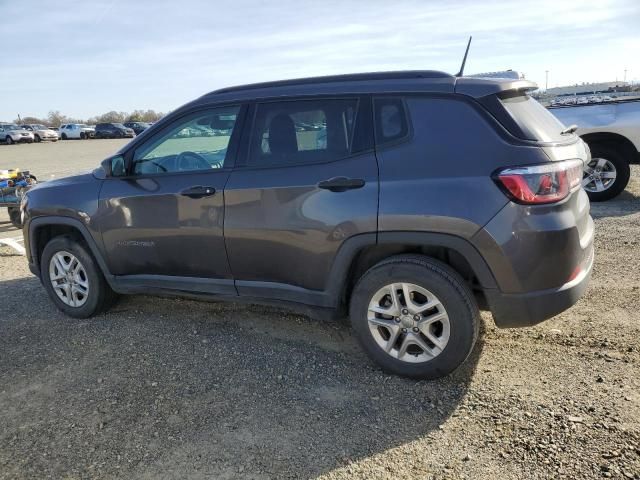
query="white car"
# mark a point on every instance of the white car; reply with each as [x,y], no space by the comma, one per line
[11,133]
[76,130]
[41,133]
[612,131]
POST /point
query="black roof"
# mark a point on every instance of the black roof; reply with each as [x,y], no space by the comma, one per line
[350,77]
[376,82]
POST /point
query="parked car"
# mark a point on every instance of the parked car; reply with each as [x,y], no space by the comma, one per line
[75,131]
[40,132]
[612,131]
[137,127]
[11,133]
[113,130]
[419,198]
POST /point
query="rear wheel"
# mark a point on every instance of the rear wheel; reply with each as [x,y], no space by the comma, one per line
[73,279]
[415,316]
[9,140]
[607,174]
[82,136]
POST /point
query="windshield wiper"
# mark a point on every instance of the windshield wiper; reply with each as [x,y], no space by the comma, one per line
[569,129]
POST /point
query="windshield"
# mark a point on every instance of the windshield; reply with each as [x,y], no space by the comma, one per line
[39,127]
[119,125]
[12,127]
[535,121]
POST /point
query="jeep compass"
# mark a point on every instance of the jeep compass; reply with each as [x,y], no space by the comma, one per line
[405,200]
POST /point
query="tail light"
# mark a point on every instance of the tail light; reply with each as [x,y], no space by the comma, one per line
[538,184]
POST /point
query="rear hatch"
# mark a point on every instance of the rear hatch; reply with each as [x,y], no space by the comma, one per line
[551,191]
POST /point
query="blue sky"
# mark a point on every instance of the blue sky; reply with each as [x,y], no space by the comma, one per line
[88,57]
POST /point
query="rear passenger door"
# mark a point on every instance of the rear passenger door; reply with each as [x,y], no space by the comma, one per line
[307,182]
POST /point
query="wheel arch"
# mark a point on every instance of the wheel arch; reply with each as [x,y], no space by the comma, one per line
[614,140]
[43,229]
[361,252]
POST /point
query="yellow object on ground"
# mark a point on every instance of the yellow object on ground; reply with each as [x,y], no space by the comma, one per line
[11,173]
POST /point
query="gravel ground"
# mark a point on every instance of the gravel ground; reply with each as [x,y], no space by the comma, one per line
[165,388]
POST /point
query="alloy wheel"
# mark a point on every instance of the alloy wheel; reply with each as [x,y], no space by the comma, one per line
[408,322]
[69,279]
[599,175]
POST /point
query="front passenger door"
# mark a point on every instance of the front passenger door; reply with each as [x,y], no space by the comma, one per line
[163,222]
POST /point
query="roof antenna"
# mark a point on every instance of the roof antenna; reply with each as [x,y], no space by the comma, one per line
[464,60]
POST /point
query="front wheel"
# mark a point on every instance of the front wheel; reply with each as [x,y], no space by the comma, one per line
[9,140]
[73,279]
[15,217]
[607,174]
[37,138]
[64,136]
[415,317]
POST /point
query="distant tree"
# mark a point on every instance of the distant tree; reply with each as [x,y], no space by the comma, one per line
[136,116]
[55,119]
[111,117]
[24,120]
[144,116]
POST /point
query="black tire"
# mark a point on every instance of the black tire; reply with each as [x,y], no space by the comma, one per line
[15,217]
[64,136]
[8,140]
[454,295]
[623,171]
[100,296]
[37,138]
[82,136]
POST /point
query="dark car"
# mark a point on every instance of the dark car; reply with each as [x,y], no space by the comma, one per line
[137,127]
[113,130]
[406,200]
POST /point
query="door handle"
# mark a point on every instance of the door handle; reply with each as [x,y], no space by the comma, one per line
[198,191]
[341,184]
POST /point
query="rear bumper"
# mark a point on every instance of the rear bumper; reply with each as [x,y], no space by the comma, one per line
[526,309]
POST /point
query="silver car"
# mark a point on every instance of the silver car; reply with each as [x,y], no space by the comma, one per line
[11,133]
[41,132]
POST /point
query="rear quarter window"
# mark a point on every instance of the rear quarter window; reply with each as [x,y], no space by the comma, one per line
[391,123]
[535,121]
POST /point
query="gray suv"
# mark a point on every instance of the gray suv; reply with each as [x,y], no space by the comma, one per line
[405,200]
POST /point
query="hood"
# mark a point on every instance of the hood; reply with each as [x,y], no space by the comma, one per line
[88,129]
[46,131]
[80,178]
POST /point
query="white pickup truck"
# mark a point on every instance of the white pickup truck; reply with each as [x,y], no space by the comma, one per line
[612,131]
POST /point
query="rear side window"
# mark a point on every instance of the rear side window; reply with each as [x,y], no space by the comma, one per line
[391,124]
[535,121]
[304,131]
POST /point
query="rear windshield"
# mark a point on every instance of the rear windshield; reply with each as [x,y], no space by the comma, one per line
[535,121]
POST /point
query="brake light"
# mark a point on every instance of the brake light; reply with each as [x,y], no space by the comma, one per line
[538,184]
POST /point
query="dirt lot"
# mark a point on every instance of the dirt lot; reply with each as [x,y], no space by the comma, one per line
[163,388]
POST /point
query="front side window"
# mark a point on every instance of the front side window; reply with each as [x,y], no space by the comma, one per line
[305,131]
[198,142]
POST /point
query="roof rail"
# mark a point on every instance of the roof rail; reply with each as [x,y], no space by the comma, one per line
[352,77]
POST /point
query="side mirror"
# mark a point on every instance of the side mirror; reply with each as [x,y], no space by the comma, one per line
[114,166]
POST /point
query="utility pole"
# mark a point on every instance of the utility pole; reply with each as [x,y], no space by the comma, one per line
[625,75]
[546,81]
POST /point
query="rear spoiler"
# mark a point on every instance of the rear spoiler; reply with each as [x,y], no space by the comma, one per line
[482,87]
